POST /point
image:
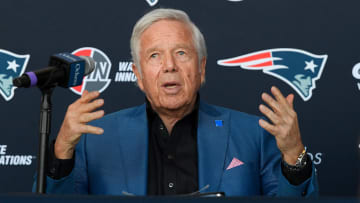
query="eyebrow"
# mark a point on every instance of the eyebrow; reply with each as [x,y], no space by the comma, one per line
[151,50]
[176,47]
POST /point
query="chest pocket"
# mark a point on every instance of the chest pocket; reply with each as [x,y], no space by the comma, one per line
[241,180]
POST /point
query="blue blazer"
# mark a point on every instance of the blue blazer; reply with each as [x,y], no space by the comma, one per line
[116,162]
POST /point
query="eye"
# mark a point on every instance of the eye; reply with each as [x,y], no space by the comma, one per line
[181,53]
[154,55]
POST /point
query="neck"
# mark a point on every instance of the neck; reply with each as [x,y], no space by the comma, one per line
[171,116]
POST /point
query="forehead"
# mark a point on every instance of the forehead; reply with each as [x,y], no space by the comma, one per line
[166,32]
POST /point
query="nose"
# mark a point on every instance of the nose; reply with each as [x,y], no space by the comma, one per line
[169,64]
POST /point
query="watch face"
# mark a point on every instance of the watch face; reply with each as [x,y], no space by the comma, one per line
[301,160]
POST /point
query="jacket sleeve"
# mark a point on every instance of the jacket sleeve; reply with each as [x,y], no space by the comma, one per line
[274,183]
[77,181]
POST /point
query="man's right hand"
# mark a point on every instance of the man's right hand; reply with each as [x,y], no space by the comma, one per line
[75,122]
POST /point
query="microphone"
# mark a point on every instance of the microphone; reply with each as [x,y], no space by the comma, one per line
[65,70]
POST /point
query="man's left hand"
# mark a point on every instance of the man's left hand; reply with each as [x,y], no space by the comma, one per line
[284,124]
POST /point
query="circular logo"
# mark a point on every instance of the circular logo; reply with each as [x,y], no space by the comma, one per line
[98,80]
[356,71]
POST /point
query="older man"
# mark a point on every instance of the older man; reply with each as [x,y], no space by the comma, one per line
[175,143]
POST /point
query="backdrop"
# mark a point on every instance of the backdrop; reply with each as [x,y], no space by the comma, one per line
[307,48]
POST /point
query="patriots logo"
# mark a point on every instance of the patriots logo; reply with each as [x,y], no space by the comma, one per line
[298,68]
[152,2]
[11,66]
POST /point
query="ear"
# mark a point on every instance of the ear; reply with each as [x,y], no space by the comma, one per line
[202,68]
[138,76]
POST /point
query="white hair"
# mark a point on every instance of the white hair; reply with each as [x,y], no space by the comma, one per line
[165,14]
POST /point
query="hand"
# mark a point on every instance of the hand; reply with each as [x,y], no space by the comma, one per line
[75,122]
[284,125]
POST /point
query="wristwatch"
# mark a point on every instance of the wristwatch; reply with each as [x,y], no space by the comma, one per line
[300,162]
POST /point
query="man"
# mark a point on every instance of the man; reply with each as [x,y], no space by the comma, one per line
[175,143]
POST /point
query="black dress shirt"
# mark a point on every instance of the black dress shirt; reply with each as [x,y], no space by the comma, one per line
[172,159]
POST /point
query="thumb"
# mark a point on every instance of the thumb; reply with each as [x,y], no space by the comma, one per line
[290,100]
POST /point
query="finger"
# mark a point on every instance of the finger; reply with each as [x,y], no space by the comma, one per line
[290,100]
[271,102]
[270,114]
[87,117]
[89,129]
[278,95]
[268,127]
[85,92]
[85,98]
[89,107]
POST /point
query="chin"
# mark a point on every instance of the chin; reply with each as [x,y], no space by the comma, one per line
[174,103]
[173,106]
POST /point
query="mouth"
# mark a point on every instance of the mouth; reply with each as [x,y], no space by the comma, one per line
[171,87]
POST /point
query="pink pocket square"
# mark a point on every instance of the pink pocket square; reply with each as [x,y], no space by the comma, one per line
[234,163]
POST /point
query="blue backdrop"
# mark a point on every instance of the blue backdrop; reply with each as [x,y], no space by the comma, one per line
[319,45]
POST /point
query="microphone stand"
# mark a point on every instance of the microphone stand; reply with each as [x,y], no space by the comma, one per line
[45,125]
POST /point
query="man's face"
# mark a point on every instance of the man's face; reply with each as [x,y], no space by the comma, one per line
[6,84]
[169,63]
[303,83]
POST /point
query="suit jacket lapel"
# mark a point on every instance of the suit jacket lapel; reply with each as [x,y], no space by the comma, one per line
[134,146]
[212,145]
